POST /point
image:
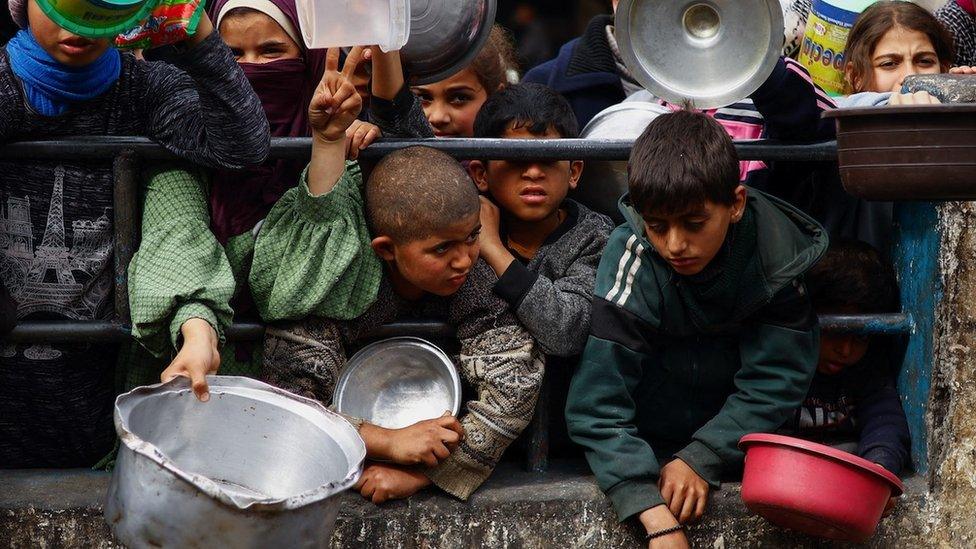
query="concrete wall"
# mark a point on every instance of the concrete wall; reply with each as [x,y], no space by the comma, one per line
[952,418]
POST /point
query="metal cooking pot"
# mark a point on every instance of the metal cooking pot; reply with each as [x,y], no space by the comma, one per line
[605,181]
[445,36]
[397,382]
[712,52]
[255,466]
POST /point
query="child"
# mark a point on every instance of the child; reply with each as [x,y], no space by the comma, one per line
[544,247]
[853,398]
[890,41]
[701,332]
[55,84]
[451,105]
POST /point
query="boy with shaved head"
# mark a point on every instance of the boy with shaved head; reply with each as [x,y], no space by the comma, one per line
[422,211]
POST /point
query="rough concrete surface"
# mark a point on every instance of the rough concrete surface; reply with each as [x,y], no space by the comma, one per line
[563,508]
[952,448]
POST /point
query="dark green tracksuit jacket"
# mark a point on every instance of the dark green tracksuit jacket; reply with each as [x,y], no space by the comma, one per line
[667,374]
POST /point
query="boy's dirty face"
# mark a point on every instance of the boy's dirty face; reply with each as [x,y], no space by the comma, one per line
[691,239]
[438,264]
[452,105]
[840,351]
[254,37]
[66,48]
[531,191]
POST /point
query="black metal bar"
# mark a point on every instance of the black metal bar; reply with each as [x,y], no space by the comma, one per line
[885,324]
[463,149]
[72,331]
[126,174]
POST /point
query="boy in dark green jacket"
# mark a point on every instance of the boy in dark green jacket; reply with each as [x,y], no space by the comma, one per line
[702,331]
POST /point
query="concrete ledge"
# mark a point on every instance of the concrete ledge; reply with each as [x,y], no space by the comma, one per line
[562,508]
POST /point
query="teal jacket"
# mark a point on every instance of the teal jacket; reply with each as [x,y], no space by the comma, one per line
[663,375]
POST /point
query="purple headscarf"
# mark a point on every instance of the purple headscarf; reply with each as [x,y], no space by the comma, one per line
[239,199]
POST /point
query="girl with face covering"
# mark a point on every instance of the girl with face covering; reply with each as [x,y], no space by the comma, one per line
[264,37]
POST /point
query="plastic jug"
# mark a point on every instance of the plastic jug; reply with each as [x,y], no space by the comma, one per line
[825,40]
[340,23]
[96,18]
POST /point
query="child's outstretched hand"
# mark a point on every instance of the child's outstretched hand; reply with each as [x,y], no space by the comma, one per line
[423,443]
[197,358]
[382,482]
[335,105]
[359,136]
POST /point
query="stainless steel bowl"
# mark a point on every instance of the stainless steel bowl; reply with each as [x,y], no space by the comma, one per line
[255,466]
[397,382]
[712,52]
[445,36]
[605,181]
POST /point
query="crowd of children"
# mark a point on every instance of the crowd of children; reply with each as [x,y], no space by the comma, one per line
[675,334]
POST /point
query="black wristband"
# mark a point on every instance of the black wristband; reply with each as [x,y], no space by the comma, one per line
[662,533]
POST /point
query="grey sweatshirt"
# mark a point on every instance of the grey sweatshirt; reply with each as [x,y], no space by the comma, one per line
[551,293]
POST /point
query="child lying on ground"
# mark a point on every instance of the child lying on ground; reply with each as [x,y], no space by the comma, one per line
[54,84]
[853,400]
[423,215]
[702,331]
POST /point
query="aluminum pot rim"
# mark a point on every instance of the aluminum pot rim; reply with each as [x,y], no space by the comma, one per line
[124,403]
[449,70]
[600,117]
[342,383]
[765,68]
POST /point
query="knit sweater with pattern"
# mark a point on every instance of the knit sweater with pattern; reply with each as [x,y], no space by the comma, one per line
[56,234]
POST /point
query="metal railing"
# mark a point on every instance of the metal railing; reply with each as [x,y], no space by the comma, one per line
[129,153]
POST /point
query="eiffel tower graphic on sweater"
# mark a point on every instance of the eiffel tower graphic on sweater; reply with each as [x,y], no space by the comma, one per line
[50,280]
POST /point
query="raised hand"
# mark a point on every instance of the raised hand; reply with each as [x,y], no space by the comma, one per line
[335,105]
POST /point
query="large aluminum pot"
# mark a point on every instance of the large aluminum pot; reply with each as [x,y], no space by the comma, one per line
[605,181]
[255,466]
[445,36]
[712,52]
[397,382]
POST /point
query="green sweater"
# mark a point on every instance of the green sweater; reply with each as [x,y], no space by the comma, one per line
[180,270]
[685,366]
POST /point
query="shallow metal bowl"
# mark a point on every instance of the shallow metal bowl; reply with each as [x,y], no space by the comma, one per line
[605,181]
[253,467]
[445,36]
[712,52]
[397,382]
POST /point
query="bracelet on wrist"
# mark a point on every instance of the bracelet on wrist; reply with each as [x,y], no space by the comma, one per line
[665,532]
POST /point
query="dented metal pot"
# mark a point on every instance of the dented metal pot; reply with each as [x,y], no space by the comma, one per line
[253,467]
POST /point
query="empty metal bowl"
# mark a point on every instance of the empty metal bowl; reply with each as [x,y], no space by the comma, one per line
[445,36]
[397,382]
[712,52]
[605,181]
[255,466]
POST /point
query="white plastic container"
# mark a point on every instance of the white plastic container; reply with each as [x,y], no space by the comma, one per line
[343,23]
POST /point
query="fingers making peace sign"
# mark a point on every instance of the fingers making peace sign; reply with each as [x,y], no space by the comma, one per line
[335,105]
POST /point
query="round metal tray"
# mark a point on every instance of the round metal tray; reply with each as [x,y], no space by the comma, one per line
[445,36]
[712,52]
[397,382]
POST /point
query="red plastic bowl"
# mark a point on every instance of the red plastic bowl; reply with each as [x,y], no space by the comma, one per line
[815,489]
